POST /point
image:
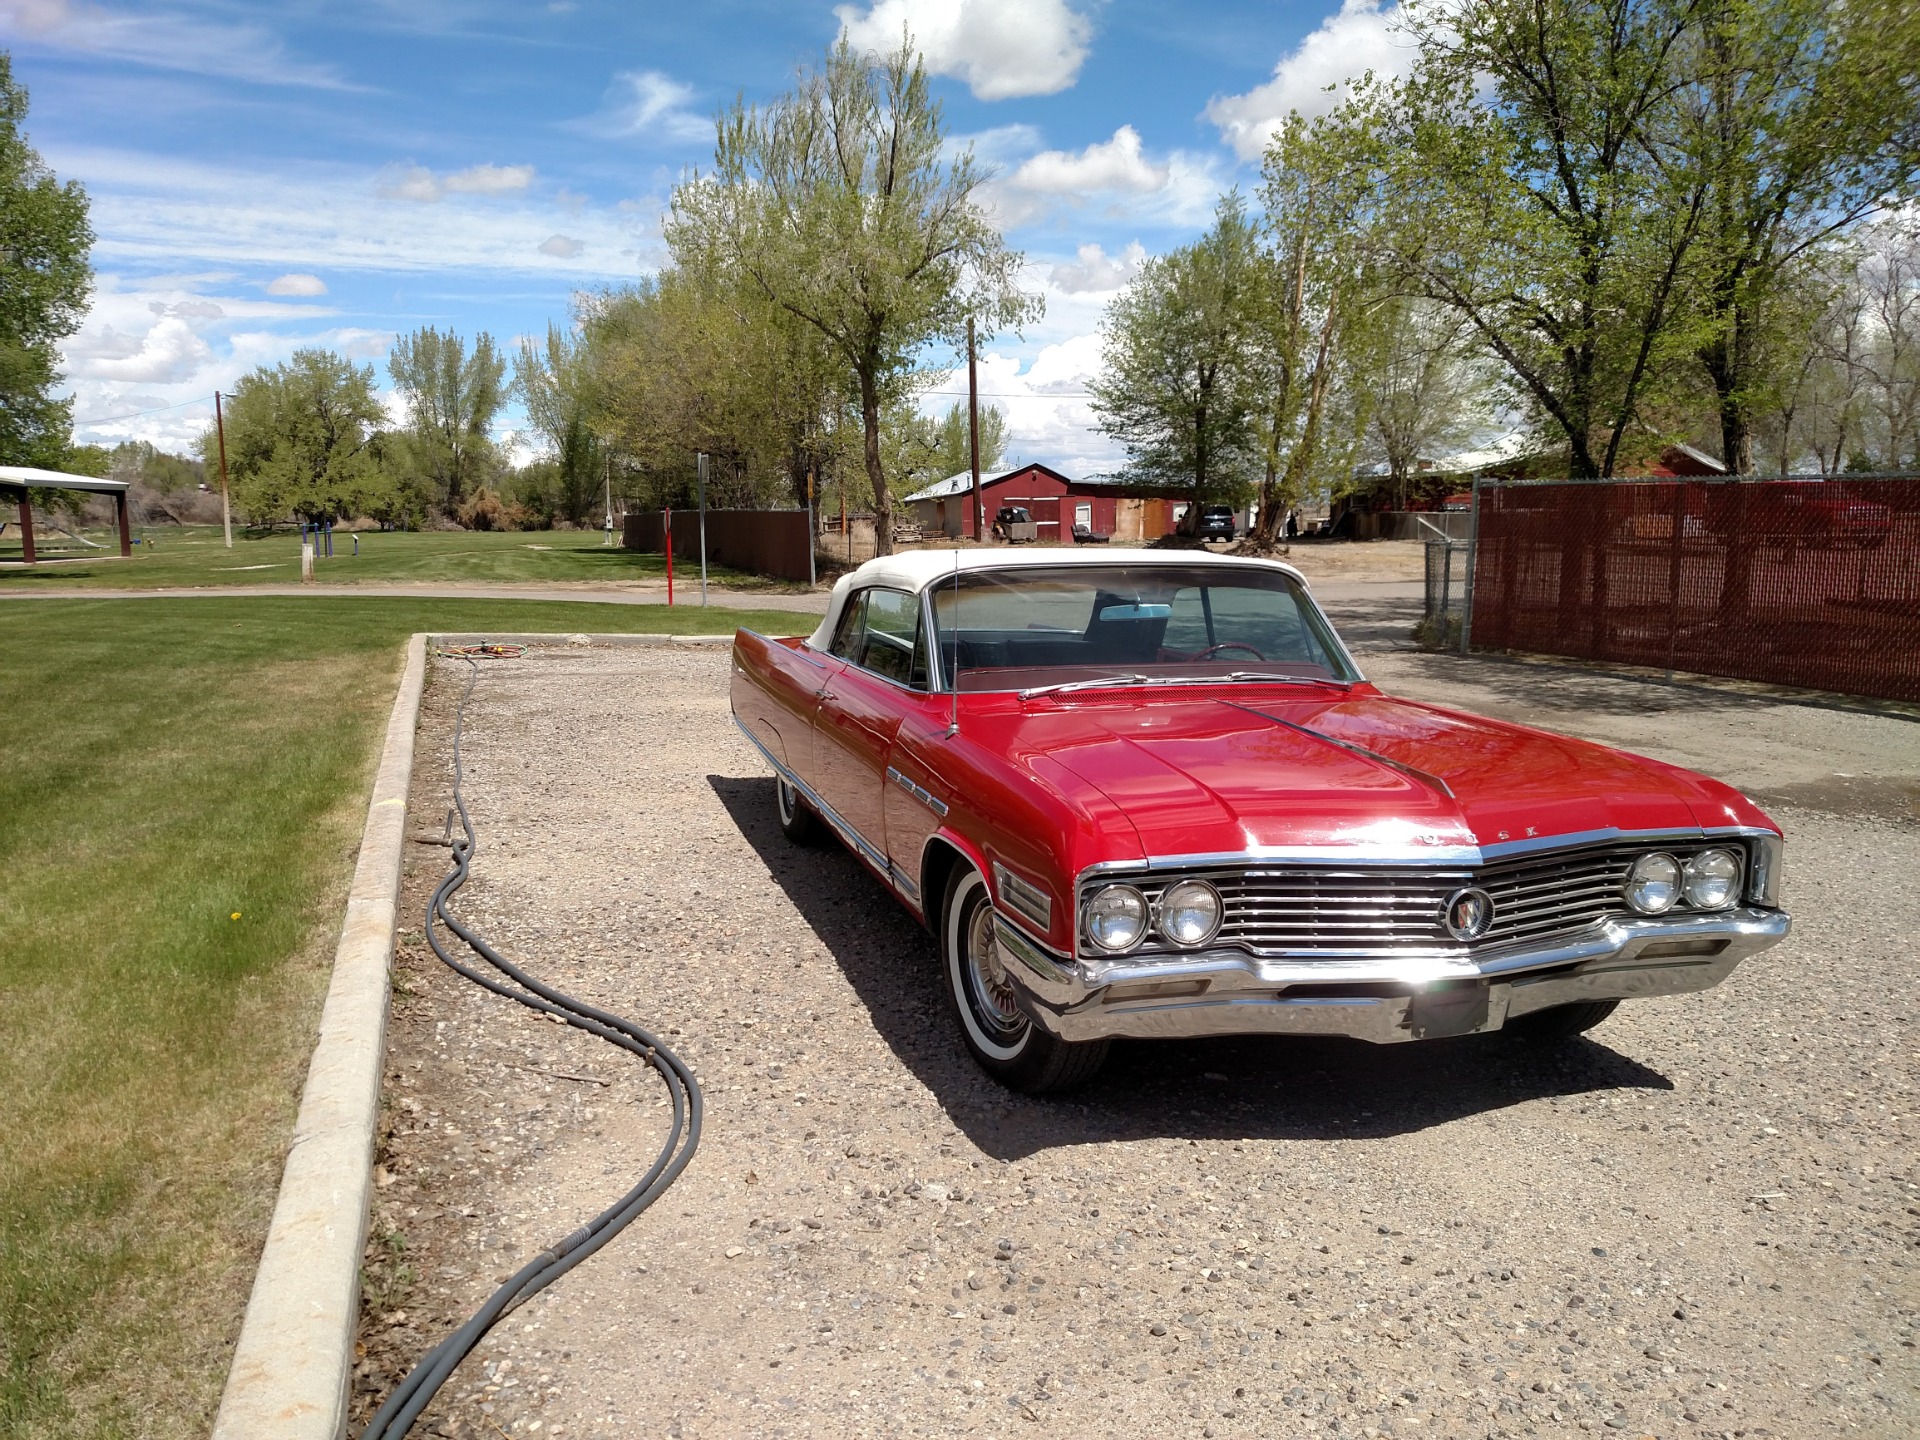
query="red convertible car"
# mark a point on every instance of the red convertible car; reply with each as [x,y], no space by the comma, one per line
[1152,795]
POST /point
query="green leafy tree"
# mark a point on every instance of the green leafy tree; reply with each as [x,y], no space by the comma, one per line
[694,361]
[1800,118]
[1543,191]
[94,460]
[1184,382]
[1430,388]
[557,391]
[952,441]
[1318,290]
[142,462]
[841,204]
[452,398]
[45,282]
[299,441]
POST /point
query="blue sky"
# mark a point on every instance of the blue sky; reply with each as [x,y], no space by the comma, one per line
[265,176]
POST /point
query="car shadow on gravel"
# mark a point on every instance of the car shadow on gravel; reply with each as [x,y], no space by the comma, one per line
[1254,1087]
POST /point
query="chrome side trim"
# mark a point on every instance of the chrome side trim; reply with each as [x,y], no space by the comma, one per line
[1433,782]
[1402,854]
[919,792]
[1027,899]
[855,841]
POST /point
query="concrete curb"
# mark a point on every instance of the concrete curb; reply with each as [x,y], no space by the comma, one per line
[598,638]
[294,1358]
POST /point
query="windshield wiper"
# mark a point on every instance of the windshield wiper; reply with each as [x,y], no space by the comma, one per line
[1263,676]
[1094,684]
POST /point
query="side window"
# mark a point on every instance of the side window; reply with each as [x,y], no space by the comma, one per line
[894,645]
[851,629]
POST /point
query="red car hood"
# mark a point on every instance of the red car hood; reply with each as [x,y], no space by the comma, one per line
[1199,775]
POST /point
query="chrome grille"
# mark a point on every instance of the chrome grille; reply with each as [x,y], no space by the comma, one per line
[1330,909]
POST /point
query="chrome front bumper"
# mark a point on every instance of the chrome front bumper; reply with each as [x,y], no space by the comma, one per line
[1383,998]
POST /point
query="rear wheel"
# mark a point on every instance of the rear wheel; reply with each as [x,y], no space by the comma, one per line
[797,822]
[1561,1022]
[1005,1043]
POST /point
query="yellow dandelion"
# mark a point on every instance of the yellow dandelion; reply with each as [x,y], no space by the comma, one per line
[234,916]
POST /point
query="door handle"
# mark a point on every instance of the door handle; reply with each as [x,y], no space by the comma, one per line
[828,695]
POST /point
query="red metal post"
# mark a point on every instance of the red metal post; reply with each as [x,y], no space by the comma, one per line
[666,535]
[26,527]
[126,537]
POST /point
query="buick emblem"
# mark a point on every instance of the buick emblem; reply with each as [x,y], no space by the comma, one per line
[1467,914]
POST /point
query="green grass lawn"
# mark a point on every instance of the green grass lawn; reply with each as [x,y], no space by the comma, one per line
[165,767]
[195,555]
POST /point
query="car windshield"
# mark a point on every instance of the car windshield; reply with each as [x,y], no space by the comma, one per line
[1161,623]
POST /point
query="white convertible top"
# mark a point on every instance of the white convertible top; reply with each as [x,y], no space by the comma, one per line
[914,570]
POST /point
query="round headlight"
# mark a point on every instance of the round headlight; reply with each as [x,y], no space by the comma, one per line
[1712,879]
[1117,917]
[1190,912]
[1653,884]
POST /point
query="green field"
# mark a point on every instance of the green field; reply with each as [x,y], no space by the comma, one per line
[181,789]
[182,555]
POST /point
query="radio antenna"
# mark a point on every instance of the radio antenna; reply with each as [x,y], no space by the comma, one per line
[953,680]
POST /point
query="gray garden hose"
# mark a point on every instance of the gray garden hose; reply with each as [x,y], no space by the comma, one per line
[413,1394]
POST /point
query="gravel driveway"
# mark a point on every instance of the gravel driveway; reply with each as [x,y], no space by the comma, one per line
[1698,1221]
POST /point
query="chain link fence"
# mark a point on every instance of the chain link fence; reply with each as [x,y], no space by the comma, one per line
[1812,583]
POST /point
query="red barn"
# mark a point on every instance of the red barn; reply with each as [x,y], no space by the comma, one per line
[1059,505]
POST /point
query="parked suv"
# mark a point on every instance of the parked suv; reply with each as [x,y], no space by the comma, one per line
[1216,523]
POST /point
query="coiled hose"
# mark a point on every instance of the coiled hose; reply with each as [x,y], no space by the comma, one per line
[412,1396]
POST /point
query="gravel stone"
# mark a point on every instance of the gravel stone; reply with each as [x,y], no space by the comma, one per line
[1357,1240]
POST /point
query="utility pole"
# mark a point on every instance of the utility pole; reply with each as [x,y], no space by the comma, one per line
[609,498]
[702,470]
[226,512]
[973,429]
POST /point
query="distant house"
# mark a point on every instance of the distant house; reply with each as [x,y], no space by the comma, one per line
[1059,504]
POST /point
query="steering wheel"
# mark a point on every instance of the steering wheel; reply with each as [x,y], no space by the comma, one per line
[1213,650]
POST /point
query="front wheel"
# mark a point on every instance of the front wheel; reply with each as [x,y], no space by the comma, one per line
[1561,1022]
[1005,1043]
[797,822]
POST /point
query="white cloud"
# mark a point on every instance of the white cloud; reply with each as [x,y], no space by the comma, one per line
[1112,176]
[490,180]
[1312,78]
[1001,48]
[409,182]
[419,184]
[564,246]
[245,53]
[169,351]
[1109,165]
[159,212]
[650,105]
[296,283]
[1094,272]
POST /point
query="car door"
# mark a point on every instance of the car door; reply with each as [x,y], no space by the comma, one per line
[861,712]
[776,696]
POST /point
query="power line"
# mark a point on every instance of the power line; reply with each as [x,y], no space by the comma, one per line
[1016,395]
[136,414]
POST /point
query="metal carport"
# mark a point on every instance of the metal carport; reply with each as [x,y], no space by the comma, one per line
[17,480]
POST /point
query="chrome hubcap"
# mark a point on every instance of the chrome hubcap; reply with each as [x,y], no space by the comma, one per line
[987,973]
